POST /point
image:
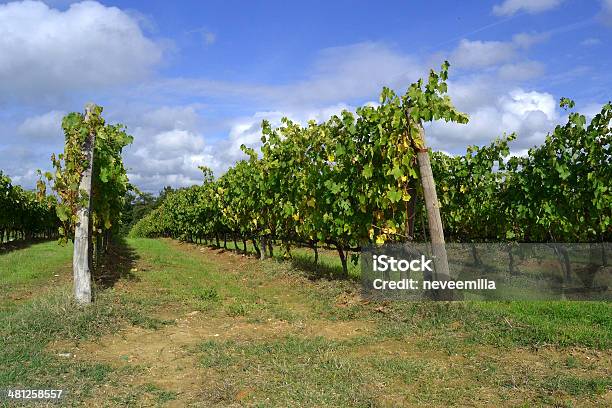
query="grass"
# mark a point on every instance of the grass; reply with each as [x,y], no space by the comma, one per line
[28,325]
[34,264]
[186,325]
[27,272]
[508,324]
[290,371]
[24,360]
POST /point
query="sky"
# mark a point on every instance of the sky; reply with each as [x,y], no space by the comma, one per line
[192,80]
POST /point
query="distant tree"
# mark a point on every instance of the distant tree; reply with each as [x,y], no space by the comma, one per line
[138,205]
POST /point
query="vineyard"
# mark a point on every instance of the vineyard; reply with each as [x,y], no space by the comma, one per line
[23,215]
[352,181]
[225,293]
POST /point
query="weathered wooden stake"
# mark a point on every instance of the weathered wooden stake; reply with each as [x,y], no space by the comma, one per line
[434,220]
[262,254]
[81,260]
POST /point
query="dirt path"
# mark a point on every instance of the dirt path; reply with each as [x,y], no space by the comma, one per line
[219,358]
[165,358]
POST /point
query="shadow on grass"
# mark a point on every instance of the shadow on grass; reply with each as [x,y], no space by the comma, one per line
[301,262]
[315,271]
[116,264]
[11,246]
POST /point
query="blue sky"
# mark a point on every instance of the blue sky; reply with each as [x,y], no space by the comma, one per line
[192,80]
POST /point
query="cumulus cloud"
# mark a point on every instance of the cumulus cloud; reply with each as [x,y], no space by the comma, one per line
[493,112]
[351,74]
[473,92]
[481,54]
[171,117]
[171,140]
[20,162]
[167,158]
[478,54]
[247,131]
[510,7]
[41,128]
[530,114]
[168,146]
[45,51]
[521,71]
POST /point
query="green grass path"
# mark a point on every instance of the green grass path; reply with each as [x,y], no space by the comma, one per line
[182,325]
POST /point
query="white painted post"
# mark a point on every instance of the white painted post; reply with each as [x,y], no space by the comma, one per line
[81,260]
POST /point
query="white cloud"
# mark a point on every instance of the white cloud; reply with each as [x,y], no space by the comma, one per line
[171,117]
[519,102]
[46,52]
[482,54]
[172,140]
[526,40]
[353,73]
[45,127]
[342,73]
[529,113]
[350,72]
[479,54]
[166,158]
[168,146]
[510,7]
[521,71]
[247,131]
[167,149]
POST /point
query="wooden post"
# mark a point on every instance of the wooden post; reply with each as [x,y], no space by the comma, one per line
[81,260]
[262,254]
[436,232]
